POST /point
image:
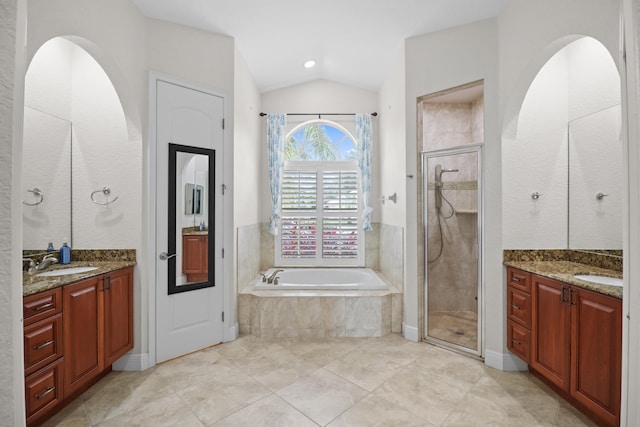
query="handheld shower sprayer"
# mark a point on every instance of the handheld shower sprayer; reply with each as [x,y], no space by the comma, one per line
[438,190]
[438,205]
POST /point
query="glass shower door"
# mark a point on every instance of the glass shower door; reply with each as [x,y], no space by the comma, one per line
[451,202]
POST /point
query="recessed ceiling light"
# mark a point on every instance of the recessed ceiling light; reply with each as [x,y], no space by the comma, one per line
[310,63]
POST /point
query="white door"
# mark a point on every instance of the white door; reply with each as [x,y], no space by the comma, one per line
[189,289]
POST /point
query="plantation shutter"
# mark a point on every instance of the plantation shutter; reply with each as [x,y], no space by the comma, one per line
[340,214]
[299,214]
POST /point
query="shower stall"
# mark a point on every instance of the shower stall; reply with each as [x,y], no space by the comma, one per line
[452,203]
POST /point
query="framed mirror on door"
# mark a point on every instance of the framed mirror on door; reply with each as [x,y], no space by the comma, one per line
[191,175]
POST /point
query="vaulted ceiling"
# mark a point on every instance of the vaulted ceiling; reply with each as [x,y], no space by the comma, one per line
[352,41]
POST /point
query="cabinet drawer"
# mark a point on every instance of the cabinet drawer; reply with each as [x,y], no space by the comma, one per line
[43,390]
[41,305]
[519,306]
[519,279]
[519,340]
[42,343]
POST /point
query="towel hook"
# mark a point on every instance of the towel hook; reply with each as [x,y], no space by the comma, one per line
[36,192]
[106,191]
[536,195]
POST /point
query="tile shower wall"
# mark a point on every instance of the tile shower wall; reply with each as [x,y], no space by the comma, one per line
[450,125]
[452,282]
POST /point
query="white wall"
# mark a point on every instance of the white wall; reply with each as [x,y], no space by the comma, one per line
[631,294]
[435,62]
[392,134]
[537,161]
[247,146]
[319,96]
[531,33]
[12,68]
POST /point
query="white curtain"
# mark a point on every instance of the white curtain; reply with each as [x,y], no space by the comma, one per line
[363,137]
[275,137]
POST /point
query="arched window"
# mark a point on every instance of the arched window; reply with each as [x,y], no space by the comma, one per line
[320,201]
[319,141]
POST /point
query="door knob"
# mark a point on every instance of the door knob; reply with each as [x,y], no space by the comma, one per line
[165,256]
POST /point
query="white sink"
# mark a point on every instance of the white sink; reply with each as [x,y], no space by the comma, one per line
[65,271]
[601,280]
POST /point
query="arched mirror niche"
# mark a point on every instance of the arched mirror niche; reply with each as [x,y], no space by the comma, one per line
[563,183]
[78,155]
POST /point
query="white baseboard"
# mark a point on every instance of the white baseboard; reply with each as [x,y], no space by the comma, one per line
[410,333]
[231,333]
[504,361]
[132,362]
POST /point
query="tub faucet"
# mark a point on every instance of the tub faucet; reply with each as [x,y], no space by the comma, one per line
[273,278]
[46,262]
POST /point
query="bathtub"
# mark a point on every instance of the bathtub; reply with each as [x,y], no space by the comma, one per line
[346,279]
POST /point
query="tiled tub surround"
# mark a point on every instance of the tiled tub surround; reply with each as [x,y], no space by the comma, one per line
[561,265]
[106,260]
[319,313]
[326,313]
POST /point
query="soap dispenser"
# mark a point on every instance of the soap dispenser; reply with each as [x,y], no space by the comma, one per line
[50,248]
[65,253]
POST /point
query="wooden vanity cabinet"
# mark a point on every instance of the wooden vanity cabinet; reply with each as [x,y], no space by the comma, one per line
[551,346]
[83,328]
[596,353]
[118,314]
[576,345]
[195,257]
[44,391]
[89,325]
[519,313]
[43,350]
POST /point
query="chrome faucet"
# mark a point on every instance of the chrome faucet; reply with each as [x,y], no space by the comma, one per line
[46,262]
[273,278]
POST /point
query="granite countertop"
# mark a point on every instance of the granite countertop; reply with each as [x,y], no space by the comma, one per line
[564,271]
[32,284]
[195,233]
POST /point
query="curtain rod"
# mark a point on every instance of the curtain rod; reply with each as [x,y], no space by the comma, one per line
[374,114]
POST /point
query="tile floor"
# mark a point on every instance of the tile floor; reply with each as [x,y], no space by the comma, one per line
[335,382]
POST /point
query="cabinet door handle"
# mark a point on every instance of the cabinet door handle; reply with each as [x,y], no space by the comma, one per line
[513,340]
[571,301]
[106,284]
[47,391]
[516,307]
[43,345]
[562,298]
[515,279]
[42,307]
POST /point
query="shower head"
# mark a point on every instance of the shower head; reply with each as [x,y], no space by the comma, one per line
[438,190]
[439,171]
